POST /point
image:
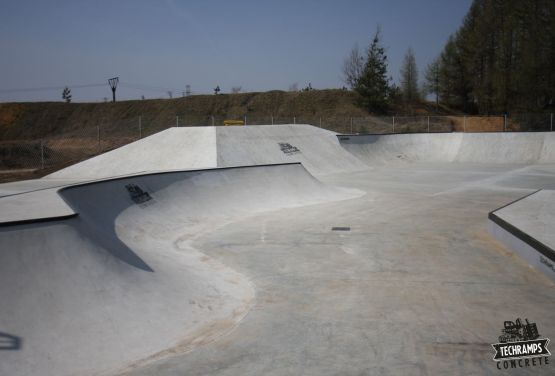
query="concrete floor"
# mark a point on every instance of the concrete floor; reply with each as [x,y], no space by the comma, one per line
[237,271]
[417,286]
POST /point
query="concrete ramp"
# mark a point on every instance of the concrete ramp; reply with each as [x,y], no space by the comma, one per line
[494,147]
[203,147]
[121,284]
[317,149]
[172,149]
[526,227]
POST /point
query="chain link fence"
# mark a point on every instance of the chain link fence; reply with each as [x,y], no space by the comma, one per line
[96,136]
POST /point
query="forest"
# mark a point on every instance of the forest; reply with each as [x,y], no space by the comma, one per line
[500,60]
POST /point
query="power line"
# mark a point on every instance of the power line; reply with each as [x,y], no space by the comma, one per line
[134,86]
[48,88]
[148,87]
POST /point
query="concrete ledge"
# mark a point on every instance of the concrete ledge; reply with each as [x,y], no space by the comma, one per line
[521,238]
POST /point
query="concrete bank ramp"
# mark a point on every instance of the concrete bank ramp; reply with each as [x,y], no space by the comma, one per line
[317,149]
[172,149]
[495,147]
[204,147]
[121,284]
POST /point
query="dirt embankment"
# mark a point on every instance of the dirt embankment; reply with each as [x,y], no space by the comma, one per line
[27,121]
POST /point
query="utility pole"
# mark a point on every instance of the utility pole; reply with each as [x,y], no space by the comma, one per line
[393,124]
[42,154]
[113,82]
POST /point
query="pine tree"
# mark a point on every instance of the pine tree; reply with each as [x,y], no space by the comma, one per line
[373,84]
[409,78]
[501,58]
[431,77]
[66,95]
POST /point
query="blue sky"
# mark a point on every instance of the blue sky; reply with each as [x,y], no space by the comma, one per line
[259,45]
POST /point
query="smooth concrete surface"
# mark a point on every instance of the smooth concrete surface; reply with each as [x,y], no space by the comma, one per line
[524,249]
[121,283]
[204,147]
[534,215]
[172,149]
[417,287]
[527,227]
[317,149]
[33,206]
[494,147]
[238,272]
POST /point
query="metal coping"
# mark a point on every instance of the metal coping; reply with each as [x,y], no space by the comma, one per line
[438,132]
[77,185]
[37,220]
[519,234]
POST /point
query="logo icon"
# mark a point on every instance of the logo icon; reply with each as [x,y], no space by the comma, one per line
[137,194]
[288,149]
[520,346]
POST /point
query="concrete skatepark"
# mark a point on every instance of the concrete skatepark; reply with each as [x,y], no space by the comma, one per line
[280,250]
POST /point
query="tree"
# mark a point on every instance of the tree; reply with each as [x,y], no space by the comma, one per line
[66,95]
[294,87]
[217,89]
[409,78]
[501,58]
[353,65]
[431,79]
[236,89]
[373,84]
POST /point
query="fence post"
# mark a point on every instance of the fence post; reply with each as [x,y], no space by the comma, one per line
[245,119]
[393,124]
[140,128]
[351,125]
[41,154]
[177,121]
[552,122]
[272,117]
[294,120]
[464,123]
[321,121]
[428,124]
[212,116]
[504,122]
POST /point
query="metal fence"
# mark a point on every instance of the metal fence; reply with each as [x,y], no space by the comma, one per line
[82,141]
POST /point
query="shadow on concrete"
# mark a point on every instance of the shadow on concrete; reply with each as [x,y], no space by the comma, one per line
[9,342]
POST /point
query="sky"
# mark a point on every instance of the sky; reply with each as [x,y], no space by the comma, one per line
[164,45]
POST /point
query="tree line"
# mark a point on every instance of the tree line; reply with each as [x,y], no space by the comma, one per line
[500,60]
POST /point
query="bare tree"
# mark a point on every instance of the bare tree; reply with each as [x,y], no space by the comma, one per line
[294,87]
[236,89]
[353,66]
[170,94]
[409,77]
